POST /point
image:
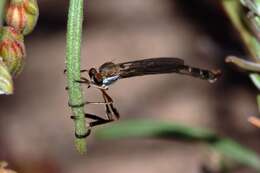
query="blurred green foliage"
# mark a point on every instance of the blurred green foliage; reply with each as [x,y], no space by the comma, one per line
[2,11]
[156,129]
[248,25]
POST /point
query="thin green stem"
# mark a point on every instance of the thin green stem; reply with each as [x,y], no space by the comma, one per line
[74,33]
[233,9]
[244,64]
[2,11]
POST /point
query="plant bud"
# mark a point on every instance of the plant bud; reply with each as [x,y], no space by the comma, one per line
[6,81]
[3,168]
[22,15]
[252,5]
[12,49]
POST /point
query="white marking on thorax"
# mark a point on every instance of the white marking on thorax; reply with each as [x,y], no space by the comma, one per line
[109,80]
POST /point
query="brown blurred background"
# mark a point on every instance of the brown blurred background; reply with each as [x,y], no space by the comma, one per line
[36,133]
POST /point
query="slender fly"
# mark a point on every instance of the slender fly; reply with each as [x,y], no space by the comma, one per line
[109,73]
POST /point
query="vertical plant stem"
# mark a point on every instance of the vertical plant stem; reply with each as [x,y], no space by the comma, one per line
[2,11]
[74,33]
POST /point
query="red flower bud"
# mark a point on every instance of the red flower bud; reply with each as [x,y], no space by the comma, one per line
[12,49]
[22,15]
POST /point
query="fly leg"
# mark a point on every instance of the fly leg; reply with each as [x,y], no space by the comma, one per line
[96,121]
[81,71]
[83,80]
[90,84]
[110,109]
[87,102]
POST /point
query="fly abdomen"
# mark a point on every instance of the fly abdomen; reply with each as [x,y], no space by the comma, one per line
[211,76]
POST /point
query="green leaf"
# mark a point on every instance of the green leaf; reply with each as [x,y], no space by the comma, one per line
[149,128]
[256,79]
[258,102]
[155,129]
[235,151]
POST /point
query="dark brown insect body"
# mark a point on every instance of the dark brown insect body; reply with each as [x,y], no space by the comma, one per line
[110,72]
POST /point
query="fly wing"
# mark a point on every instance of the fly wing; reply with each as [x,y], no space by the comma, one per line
[150,66]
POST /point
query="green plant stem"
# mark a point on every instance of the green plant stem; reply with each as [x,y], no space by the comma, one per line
[234,10]
[244,64]
[2,11]
[74,33]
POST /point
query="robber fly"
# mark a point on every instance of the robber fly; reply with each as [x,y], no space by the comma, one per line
[109,73]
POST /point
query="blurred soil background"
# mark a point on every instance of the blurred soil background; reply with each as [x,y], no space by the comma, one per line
[36,133]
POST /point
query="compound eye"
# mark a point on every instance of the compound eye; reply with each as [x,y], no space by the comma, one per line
[92,72]
[95,76]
